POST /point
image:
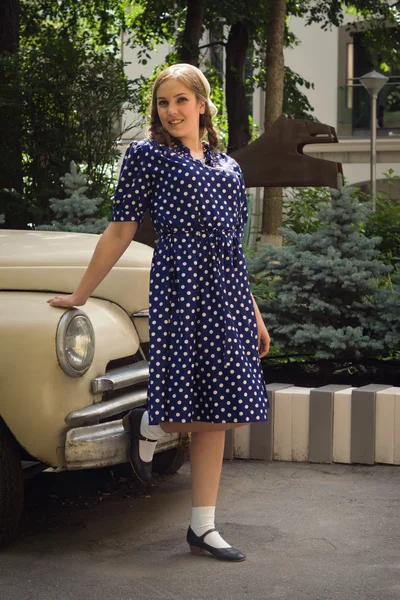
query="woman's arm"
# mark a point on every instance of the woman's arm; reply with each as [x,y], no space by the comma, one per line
[256,310]
[110,247]
[264,341]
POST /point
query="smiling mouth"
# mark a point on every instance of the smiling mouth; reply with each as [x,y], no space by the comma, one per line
[175,122]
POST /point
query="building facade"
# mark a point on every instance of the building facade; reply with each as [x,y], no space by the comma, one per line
[333,61]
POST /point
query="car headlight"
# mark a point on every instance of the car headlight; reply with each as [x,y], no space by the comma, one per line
[75,343]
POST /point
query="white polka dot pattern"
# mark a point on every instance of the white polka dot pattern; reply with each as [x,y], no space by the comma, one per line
[204,363]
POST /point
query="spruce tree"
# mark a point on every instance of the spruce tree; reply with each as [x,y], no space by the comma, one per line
[76,212]
[325,293]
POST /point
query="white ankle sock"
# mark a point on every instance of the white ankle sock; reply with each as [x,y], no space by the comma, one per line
[203,519]
[152,432]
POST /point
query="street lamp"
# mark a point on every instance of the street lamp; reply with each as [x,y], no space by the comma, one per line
[373,83]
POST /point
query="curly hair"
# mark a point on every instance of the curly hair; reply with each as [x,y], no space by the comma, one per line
[194,79]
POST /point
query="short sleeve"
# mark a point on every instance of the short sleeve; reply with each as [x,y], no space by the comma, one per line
[132,193]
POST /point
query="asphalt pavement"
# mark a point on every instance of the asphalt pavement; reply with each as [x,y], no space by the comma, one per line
[310,532]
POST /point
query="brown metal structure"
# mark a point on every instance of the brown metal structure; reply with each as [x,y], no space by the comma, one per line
[276,159]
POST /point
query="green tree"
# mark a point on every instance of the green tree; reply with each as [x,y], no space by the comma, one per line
[35,121]
[274,87]
[384,222]
[71,99]
[76,212]
[10,116]
[97,21]
[302,205]
[324,295]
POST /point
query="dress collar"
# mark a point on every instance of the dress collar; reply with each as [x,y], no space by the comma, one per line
[180,148]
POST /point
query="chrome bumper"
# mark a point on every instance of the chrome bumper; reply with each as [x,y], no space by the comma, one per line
[113,381]
[107,409]
[92,444]
[104,445]
[122,377]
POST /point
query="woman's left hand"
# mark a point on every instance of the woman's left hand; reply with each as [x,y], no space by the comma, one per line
[264,341]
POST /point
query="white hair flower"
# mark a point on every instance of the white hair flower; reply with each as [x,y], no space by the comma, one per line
[212,108]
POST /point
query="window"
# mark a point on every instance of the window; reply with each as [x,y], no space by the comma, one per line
[354,103]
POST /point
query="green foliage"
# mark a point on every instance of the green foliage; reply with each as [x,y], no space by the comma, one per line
[96,21]
[70,99]
[385,221]
[323,297]
[66,80]
[381,17]
[332,14]
[301,206]
[295,103]
[76,212]
[152,22]
[220,120]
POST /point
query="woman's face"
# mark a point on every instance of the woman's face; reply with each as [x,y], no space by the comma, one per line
[179,110]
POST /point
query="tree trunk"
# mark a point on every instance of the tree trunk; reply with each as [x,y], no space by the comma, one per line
[188,49]
[275,72]
[236,104]
[9,26]
[10,122]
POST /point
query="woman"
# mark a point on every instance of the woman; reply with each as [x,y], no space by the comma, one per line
[206,332]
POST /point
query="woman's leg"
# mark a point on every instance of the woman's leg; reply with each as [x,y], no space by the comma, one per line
[144,437]
[206,454]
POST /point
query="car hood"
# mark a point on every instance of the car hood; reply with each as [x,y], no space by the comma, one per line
[55,262]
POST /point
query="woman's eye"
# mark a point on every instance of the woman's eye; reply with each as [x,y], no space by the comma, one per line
[162,102]
[182,99]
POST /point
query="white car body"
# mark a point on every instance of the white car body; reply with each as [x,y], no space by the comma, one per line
[58,419]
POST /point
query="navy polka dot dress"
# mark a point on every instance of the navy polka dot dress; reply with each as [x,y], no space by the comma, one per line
[204,363]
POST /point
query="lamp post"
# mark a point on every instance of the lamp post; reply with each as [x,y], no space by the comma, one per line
[373,83]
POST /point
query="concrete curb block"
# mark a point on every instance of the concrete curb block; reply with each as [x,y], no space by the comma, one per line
[330,424]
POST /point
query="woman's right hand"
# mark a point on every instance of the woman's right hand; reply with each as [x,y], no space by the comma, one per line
[66,301]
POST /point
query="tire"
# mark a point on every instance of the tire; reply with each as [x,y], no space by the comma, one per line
[169,462]
[11,486]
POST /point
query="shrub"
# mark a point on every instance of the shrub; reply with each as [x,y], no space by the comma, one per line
[68,100]
[323,297]
[76,212]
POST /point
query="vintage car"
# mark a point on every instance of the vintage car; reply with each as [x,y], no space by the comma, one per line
[68,376]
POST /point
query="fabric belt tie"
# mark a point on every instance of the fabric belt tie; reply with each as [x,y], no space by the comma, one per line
[202,231]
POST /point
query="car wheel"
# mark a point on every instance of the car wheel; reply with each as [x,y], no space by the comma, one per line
[169,462]
[11,486]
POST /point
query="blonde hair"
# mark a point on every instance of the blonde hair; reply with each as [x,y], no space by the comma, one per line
[195,80]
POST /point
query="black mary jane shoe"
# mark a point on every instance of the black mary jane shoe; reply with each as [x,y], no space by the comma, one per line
[131,423]
[198,546]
